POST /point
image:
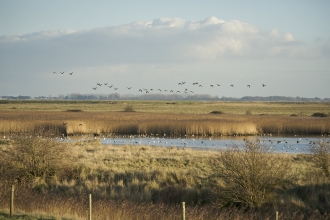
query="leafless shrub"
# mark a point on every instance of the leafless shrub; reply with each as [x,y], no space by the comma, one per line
[321,155]
[129,108]
[34,158]
[250,174]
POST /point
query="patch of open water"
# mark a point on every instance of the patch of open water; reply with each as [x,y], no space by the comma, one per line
[281,144]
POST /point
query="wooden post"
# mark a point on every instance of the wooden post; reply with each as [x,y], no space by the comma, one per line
[12,201]
[183,211]
[276,215]
[90,207]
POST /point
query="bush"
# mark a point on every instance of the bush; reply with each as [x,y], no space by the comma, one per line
[250,174]
[321,155]
[216,112]
[34,158]
[129,108]
[319,114]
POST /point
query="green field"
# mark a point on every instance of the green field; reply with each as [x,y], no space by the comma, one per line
[174,107]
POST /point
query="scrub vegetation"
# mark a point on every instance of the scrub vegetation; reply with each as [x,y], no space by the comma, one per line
[143,182]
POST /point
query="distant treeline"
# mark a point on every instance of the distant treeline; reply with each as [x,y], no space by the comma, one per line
[201,97]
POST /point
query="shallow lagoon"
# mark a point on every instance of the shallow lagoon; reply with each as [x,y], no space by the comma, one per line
[279,144]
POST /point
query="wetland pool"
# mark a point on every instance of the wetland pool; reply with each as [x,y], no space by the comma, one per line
[280,144]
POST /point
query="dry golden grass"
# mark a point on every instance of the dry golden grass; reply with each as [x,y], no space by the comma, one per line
[52,123]
[143,182]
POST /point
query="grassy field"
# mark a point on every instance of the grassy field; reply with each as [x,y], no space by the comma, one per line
[143,182]
[160,117]
[173,107]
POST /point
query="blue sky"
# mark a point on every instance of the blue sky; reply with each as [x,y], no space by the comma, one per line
[157,44]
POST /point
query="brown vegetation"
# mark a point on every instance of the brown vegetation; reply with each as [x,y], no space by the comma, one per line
[143,182]
[73,123]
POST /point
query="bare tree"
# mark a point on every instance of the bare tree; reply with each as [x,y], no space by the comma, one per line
[249,174]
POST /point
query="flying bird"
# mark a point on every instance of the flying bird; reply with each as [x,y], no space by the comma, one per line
[248,86]
[71,73]
[231,85]
[94,88]
[62,72]
[263,85]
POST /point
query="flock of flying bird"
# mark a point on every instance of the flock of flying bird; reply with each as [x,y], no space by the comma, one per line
[158,90]
[165,90]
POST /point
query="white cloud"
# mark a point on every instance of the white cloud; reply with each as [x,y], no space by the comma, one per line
[163,40]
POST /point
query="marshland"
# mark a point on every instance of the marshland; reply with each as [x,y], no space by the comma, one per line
[53,179]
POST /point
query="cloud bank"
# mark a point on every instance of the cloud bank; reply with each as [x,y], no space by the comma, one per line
[162,40]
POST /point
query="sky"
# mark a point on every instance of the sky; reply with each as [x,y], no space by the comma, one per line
[189,47]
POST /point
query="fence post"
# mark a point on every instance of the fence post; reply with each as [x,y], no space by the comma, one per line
[276,215]
[12,201]
[90,207]
[183,211]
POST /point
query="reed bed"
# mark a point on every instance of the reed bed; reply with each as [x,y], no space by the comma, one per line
[141,123]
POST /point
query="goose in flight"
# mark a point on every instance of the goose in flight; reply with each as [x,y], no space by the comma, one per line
[105,84]
[62,72]
[129,87]
[99,84]
[71,73]
[218,84]
[248,86]
[94,88]
[263,85]
[211,85]
[55,72]
[231,85]
[110,86]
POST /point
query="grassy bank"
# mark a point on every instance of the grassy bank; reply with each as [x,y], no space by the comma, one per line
[143,182]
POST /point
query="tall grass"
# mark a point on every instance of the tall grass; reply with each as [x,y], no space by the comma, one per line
[143,182]
[77,123]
